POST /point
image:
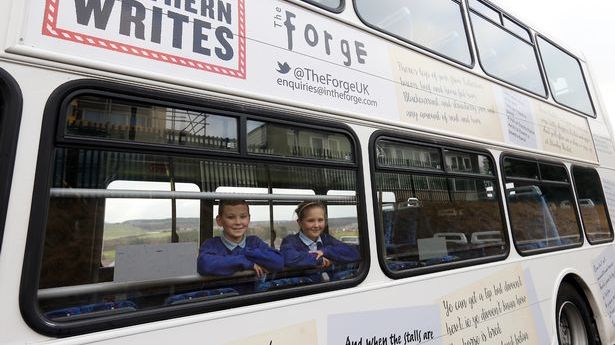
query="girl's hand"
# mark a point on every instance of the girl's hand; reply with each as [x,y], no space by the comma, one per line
[259,270]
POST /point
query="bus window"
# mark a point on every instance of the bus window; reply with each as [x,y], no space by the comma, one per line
[498,17]
[505,56]
[486,10]
[125,222]
[565,77]
[592,205]
[271,221]
[540,207]
[109,118]
[435,219]
[436,25]
[4,189]
[10,118]
[517,29]
[331,5]
[280,140]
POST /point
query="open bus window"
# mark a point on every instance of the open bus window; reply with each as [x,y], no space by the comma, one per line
[565,77]
[124,225]
[486,10]
[516,28]
[436,25]
[438,218]
[506,56]
[592,205]
[270,221]
[499,17]
[260,224]
[540,209]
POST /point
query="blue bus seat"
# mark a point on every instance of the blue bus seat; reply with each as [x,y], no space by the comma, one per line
[442,260]
[201,295]
[281,283]
[399,265]
[90,310]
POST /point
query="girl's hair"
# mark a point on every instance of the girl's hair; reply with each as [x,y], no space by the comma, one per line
[224,203]
[304,206]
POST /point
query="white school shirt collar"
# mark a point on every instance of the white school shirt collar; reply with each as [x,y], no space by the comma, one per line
[308,242]
[230,245]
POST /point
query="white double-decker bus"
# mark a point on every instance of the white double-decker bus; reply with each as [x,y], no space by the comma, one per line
[464,155]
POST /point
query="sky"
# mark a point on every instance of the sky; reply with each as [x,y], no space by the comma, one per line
[586,28]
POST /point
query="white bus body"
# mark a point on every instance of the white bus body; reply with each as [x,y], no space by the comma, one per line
[300,67]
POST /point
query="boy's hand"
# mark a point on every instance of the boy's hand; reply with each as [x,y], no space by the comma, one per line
[318,253]
[260,271]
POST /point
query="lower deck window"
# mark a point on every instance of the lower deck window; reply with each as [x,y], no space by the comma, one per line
[592,205]
[10,118]
[124,228]
[437,206]
[540,205]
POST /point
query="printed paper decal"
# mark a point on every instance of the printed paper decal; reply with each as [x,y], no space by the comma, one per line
[204,35]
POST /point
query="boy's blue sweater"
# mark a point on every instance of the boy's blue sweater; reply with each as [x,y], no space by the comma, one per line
[297,254]
[215,259]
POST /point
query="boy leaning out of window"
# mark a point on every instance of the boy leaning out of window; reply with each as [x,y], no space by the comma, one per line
[234,251]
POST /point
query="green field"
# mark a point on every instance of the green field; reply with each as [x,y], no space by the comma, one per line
[125,234]
[119,230]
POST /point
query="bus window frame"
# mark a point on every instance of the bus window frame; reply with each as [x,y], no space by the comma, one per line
[405,138]
[539,161]
[508,17]
[606,207]
[531,43]
[337,10]
[53,121]
[503,15]
[548,85]
[417,47]
[10,121]
[69,139]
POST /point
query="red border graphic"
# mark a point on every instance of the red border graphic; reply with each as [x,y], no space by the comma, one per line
[50,29]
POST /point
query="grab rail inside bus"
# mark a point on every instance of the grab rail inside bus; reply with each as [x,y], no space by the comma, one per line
[105,287]
[111,193]
[109,287]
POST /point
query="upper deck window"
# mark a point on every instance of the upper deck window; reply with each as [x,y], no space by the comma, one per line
[331,5]
[517,29]
[436,25]
[503,54]
[565,77]
[486,10]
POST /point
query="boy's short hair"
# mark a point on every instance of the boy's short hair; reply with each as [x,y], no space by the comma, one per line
[224,203]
